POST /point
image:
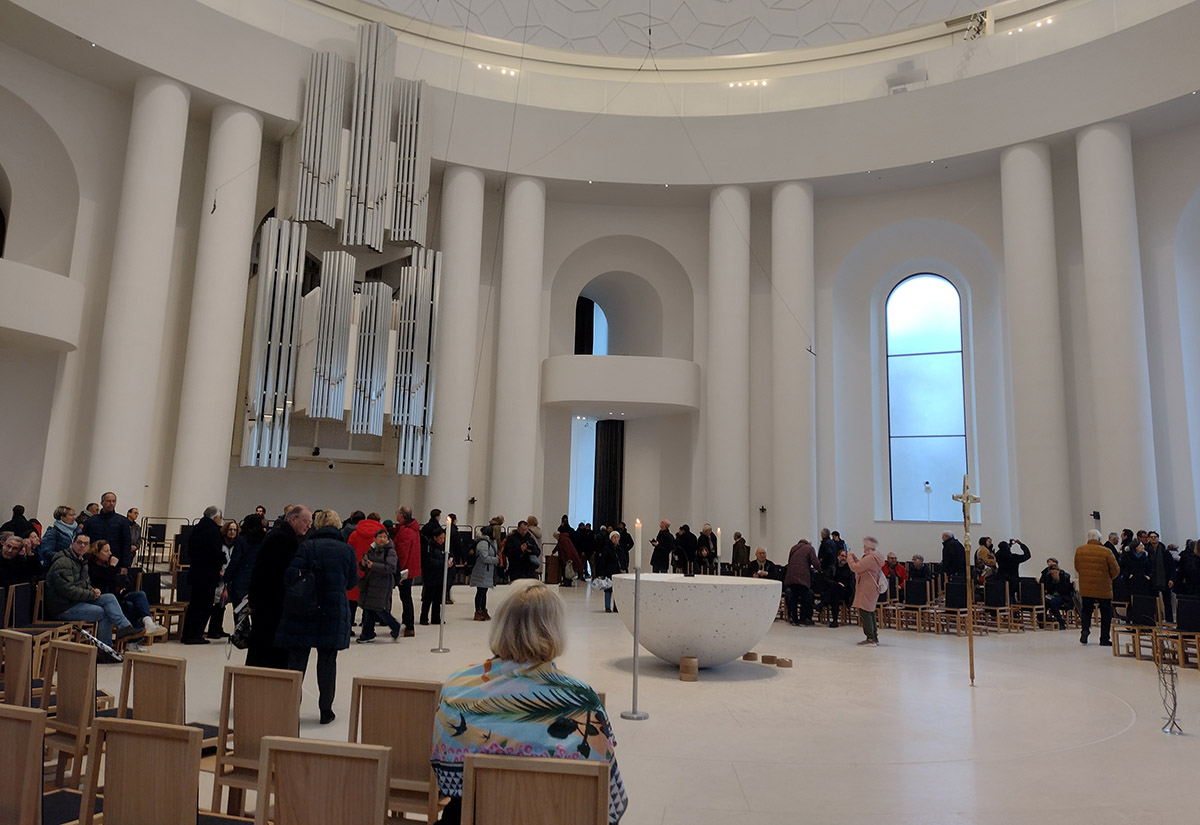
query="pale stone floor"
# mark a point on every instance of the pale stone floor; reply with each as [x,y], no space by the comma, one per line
[1052,732]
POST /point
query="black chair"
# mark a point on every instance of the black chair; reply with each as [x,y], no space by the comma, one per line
[151,584]
[955,609]
[1180,645]
[997,607]
[1030,605]
[916,607]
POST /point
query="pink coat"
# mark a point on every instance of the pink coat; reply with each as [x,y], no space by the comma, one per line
[866,578]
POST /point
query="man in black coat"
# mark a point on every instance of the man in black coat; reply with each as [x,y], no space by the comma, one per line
[113,527]
[266,586]
[206,554]
[521,551]
[686,548]
[664,548]
[954,556]
[1008,562]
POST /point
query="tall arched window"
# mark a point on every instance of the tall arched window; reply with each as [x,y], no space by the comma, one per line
[927,441]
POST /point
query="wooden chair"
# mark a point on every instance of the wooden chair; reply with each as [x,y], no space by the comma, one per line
[953,611]
[916,611]
[255,702]
[152,688]
[317,782]
[170,615]
[18,668]
[21,731]
[498,790]
[399,714]
[1180,644]
[1134,635]
[151,773]
[997,609]
[1029,606]
[69,674]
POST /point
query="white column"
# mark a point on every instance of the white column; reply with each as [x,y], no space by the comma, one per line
[457,345]
[793,369]
[518,361]
[1126,492]
[727,380]
[208,405]
[1037,403]
[127,374]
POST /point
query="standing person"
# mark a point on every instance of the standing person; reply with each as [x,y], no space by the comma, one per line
[569,558]
[433,573]
[1187,581]
[1096,568]
[456,548]
[841,586]
[206,552]
[59,535]
[230,531]
[362,538]
[327,628]
[797,582]
[686,547]
[519,702]
[377,575]
[113,527]
[584,543]
[1162,573]
[1008,563]
[483,574]
[266,586]
[827,553]
[608,564]
[18,525]
[868,572]
[408,560]
[243,557]
[954,556]
[706,550]
[135,531]
[741,553]
[522,553]
[664,548]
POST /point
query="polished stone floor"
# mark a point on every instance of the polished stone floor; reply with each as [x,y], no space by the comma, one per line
[1052,732]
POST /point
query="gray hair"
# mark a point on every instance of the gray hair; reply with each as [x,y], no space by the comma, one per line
[212,511]
[1093,535]
[61,510]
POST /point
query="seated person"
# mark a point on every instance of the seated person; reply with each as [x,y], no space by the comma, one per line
[1059,591]
[71,597]
[893,567]
[840,589]
[107,578]
[18,562]
[918,570]
[760,567]
[519,703]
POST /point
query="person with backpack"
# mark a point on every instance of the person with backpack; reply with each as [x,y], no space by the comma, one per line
[869,583]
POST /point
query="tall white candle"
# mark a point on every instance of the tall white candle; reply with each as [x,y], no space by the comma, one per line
[446,549]
[637,544]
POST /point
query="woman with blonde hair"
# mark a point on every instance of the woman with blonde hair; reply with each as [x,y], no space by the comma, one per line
[519,703]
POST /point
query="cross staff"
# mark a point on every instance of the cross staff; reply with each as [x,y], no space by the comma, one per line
[966,499]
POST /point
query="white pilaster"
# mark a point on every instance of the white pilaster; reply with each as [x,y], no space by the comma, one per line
[793,368]
[458,307]
[127,375]
[1036,396]
[518,357]
[727,379]
[1127,492]
[208,406]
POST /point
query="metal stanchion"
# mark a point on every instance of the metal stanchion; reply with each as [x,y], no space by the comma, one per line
[635,714]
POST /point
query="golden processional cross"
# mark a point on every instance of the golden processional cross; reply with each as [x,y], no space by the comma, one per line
[966,499]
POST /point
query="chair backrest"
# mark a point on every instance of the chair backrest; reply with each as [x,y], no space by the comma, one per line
[995,594]
[150,583]
[69,671]
[916,593]
[5,607]
[18,668]
[1030,593]
[1187,614]
[399,714]
[319,782]
[534,791]
[956,594]
[151,772]
[182,585]
[1144,609]
[1120,590]
[21,597]
[155,532]
[257,702]
[152,688]
[21,731]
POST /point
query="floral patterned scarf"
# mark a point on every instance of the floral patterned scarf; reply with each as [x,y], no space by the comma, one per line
[515,709]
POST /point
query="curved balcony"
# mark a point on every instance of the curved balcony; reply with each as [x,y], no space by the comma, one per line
[613,386]
[38,309]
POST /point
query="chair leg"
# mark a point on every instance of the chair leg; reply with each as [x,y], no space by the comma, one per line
[237,802]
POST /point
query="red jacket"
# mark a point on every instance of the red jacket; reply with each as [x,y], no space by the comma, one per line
[361,540]
[408,549]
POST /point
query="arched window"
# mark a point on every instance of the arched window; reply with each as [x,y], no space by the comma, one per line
[591,328]
[927,441]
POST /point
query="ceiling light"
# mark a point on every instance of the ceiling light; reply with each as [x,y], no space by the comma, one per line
[1020,30]
[731,85]
[1049,20]
[478,65]
[764,83]
[1039,25]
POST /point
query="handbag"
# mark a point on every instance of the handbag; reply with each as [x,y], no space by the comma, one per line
[300,591]
[240,638]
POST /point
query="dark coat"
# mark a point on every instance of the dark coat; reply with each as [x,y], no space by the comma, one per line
[686,547]
[206,555]
[241,568]
[114,528]
[375,583]
[773,570]
[332,561]
[664,548]
[266,584]
[954,557]
[1008,563]
[801,561]
[608,561]
[19,569]
[520,553]
[1187,582]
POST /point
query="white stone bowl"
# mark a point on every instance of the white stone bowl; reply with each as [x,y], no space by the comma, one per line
[714,618]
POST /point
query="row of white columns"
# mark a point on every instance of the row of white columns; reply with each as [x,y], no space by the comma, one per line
[1033,323]
[130,362]
[135,316]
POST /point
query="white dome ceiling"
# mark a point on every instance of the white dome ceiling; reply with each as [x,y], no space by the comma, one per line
[682,28]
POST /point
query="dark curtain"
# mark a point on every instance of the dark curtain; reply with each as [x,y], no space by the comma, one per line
[584,331]
[610,468]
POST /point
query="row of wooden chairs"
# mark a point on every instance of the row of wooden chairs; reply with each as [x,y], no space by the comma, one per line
[1141,633]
